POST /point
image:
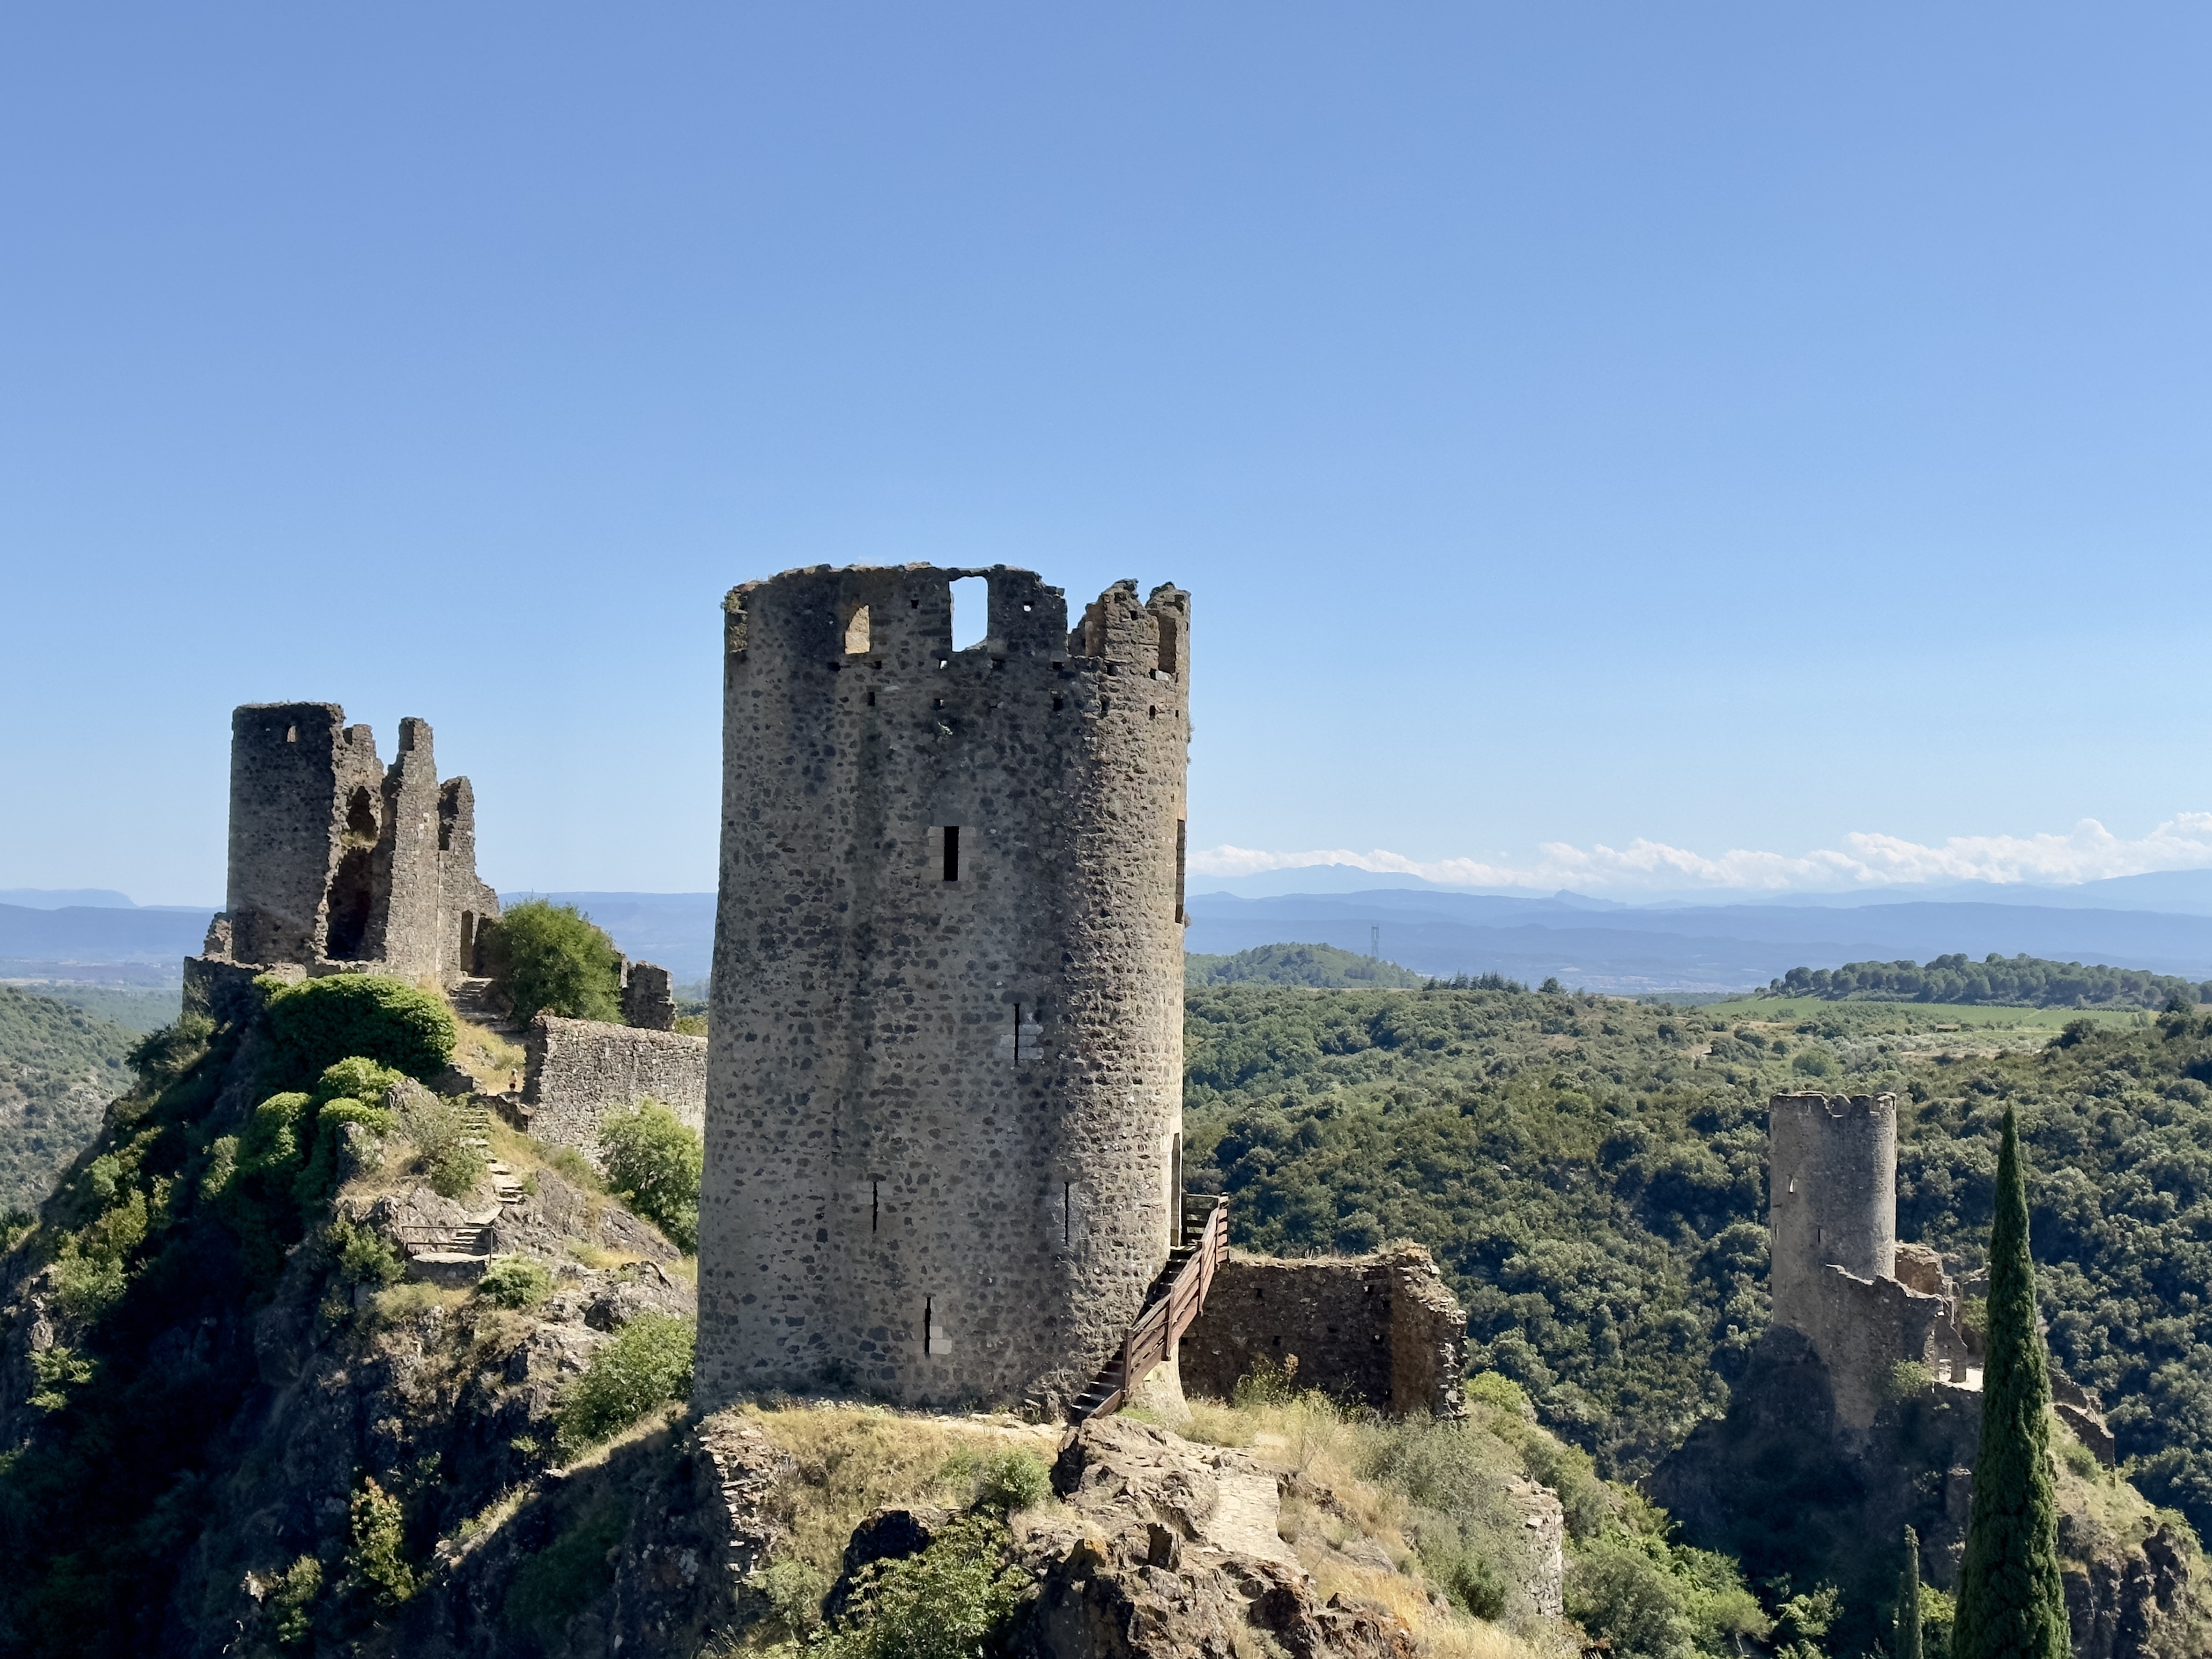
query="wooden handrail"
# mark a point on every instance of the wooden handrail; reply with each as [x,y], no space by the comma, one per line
[1168,1310]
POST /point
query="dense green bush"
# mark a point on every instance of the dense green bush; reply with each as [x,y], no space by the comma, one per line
[557,962]
[559,1581]
[376,1554]
[952,1601]
[319,1022]
[292,1600]
[439,1133]
[653,1164]
[647,1365]
[515,1281]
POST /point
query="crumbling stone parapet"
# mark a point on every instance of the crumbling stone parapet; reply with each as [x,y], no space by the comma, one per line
[1384,1329]
[577,1070]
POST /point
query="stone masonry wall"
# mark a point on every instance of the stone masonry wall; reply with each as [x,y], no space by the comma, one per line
[945,1100]
[1831,1194]
[576,1071]
[336,861]
[1383,1329]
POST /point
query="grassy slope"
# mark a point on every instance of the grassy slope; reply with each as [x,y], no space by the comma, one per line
[59,1066]
[1593,1181]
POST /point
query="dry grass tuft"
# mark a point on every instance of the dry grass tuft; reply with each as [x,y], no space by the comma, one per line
[854,1458]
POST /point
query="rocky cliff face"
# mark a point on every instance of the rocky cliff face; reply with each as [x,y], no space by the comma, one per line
[1782,1483]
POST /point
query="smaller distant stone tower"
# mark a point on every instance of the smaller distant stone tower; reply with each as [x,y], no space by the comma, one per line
[1834,1271]
[337,860]
[1833,1160]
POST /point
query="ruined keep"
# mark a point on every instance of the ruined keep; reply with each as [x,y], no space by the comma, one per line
[337,861]
[945,1077]
[1835,1274]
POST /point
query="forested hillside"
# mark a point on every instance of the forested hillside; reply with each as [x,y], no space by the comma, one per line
[1295,965]
[59,1066]
[2020,982]
[1593,1181]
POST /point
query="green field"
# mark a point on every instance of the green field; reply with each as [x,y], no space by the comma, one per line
[1916,1016]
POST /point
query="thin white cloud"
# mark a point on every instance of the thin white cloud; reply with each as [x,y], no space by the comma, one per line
[2090,853]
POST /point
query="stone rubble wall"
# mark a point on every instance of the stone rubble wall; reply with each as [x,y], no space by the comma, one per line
[1382,1329]
[577,1070]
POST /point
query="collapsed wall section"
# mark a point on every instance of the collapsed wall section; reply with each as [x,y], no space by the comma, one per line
[1382,1329]
[577,1070]
[944,1100]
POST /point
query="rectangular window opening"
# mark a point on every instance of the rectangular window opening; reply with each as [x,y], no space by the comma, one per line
[953,852]
[1068,1212]
[1018,1034]
[928,1322]
[1182,844]
[971,611]
[875,1204]
[1175,1189]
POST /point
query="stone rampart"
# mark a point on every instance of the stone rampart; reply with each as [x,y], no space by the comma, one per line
[1382,1329]
[577,1070]
[945,1093]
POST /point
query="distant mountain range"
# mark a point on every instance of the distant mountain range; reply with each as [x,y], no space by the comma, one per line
[2162,922]
[1650,950]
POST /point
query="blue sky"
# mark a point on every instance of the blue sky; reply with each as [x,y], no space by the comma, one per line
[1731,429]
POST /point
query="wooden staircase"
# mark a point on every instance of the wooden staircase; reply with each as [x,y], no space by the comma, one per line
[1173,1302]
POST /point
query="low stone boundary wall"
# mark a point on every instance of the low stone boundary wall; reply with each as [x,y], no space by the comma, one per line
[1383,1329]
[576,1071]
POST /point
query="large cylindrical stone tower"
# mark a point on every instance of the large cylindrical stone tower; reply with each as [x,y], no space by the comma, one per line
[1831,1196]
[944,1101]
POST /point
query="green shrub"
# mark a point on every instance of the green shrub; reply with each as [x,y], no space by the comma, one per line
[1013,1478]
[515,1281]
[560,1580]
[653,1164]
[319,1175]
[1463,1575]
[376,1558]
[365,1256]
[1267,1383]
[86,1286]
[647,1365]
[571,1166]
[292,1599]
[57,1371]
[1908,1379]
[557,962]
[316,1024]
[441,1135]
[1497,1389]
[794,1592]
[952,1601]
[161,1057]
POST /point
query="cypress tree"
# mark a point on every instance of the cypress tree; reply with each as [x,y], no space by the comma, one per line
[1908,1600]
[2012,1604]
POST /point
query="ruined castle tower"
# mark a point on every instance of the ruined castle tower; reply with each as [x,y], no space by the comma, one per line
[943,1113]
[1832,1172]
[335,859]
[1837,1275]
